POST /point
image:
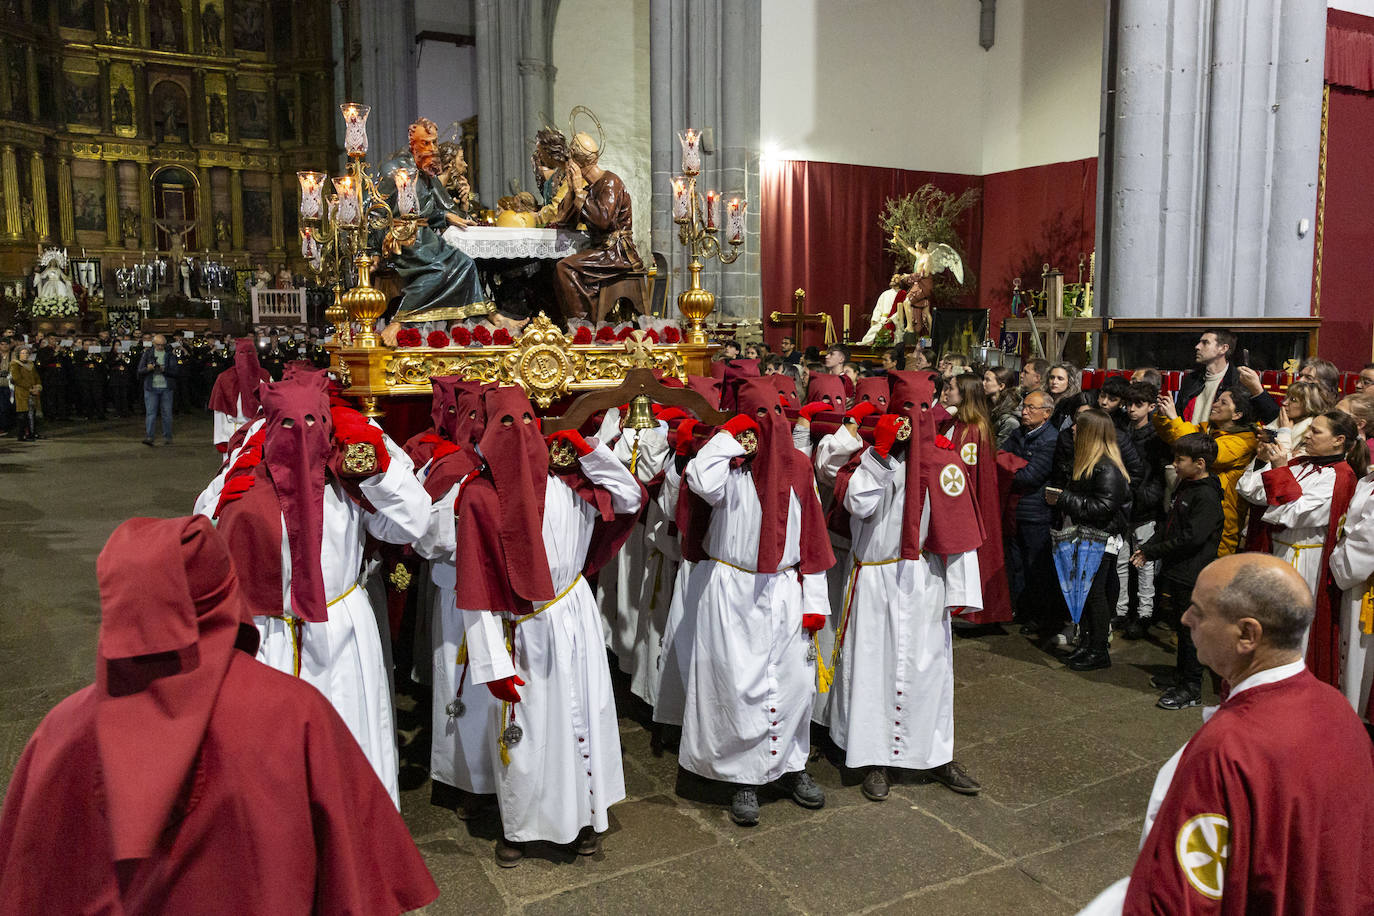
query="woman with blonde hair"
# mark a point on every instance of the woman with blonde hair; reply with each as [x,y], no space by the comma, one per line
[1305,400]
[975,440]
[1096,499]
[1063,383]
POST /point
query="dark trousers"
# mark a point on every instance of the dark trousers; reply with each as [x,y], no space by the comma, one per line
[25,426]
[92,397]
[1034,583]
[1096,623]
[1174,599]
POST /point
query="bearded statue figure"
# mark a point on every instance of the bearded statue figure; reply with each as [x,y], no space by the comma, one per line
[440,282]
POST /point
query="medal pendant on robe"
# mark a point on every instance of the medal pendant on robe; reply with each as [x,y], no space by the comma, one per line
[512,734]
[811,652]
[455,708]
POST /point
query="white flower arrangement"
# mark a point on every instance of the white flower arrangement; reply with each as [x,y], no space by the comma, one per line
[53,307]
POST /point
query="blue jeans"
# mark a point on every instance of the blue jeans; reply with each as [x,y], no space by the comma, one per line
[158,401]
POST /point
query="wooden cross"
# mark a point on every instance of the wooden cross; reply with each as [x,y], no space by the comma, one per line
[799,318]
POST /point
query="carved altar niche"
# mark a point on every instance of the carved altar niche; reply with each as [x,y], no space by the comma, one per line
[543,361]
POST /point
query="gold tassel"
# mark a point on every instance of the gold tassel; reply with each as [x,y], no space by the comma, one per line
[1367,610]
[501,734]
[825,676]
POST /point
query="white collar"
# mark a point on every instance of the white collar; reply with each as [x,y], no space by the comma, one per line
[1268,676]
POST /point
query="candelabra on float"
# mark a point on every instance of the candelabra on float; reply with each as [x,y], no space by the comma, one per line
[699,225]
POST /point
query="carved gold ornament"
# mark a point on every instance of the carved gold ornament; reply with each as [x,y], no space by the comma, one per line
[360,458]
[400,577]
[903,428]
[749,440]
[562,455]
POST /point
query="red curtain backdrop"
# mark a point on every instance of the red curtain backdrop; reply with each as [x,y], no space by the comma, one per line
[1348,232]
[819,232]
[1045,214]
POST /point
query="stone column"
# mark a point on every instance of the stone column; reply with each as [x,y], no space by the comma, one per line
[236,207]
[39,181]
[147,238]
[9,184]
[65,214]
[111,203]
[1215,124]
[278,229]
[514,88]
[388,73]
[205,215]
[704,73]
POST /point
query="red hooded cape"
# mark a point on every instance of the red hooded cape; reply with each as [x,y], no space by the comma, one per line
[159,789]
[237,387]
[979,456]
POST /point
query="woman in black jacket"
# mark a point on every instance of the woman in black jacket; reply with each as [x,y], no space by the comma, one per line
[1097,496]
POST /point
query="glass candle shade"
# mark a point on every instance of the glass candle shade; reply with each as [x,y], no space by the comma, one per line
[349,211]
[406,202]
[355,128]
[734,219]
[310,247]
[312,194]
[691,150]
[680,199]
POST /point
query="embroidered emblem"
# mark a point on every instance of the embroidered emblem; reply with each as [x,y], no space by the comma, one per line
[360,458]
[1203,848]
[969,453]
[951,480]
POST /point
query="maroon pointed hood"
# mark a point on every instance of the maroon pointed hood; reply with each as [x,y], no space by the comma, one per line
[236,388]
[518,461]
[737,372]
[171,615]
[875,391]
[708,388]
[826,389]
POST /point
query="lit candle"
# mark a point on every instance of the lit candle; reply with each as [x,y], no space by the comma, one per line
[349,212]
[310,247]
[735,223]
[712,208]
[691,150]
[844,327]
[312,194]
[679,199]
[355,128]
[406,204]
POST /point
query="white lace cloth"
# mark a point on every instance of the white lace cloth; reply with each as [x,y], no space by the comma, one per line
[512,242]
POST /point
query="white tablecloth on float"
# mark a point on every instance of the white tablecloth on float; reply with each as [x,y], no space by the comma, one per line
[515,242]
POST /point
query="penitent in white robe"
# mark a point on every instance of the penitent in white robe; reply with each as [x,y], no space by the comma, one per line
[830,455]
[1302,522]
[344,657]
[750,685]
[679,627]
[225,426]
[894,690]
[565,772]
[1352,566]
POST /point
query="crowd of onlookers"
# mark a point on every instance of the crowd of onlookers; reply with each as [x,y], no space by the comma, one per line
[74,377]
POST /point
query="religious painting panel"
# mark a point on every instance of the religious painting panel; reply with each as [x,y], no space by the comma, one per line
[257,209]
[76,14]
[958,330]
[17,67]
[313,101]
[170,105]
[87,275]
[82,96]
[314,28]
[130,212]
[286,112]
[123,100]
[176,198]
[282,28]
[251,109]
[212,26]
[250,26]
[217,107]
[167,25]
[48,85]
[119,21]
[88,202]
[222,208]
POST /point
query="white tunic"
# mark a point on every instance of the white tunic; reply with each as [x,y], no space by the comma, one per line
[883,312]
[344,657]
[1352,565]
[831,454]
[894,691]
[225,426]
[749,682]
[1303,521]
[679,627]
[565,772]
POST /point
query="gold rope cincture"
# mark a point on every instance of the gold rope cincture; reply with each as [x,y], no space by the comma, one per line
[826,676]
[508,708]
[1367,607]
[294,626]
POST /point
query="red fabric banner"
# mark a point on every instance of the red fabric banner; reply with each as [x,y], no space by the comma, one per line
[1350,50]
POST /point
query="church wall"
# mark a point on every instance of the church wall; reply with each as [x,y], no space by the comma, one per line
[446,73]
[601,51]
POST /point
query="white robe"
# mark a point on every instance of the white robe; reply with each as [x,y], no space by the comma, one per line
[894,690]
[225,426]
[679,627]
[1303,521]
[1352,565]
[344,656]
[566,771]
[883,312]
[749,684]
[831,454]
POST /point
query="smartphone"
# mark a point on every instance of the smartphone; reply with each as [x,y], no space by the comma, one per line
[1055,490]
[1264,434]
[1244,357]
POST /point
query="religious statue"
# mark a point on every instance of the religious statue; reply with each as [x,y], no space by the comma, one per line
[262,278]
[892,312]
[51,281]
[926,263]
[211,24]
[284,278]
[601,202]
[129,219]
[222,229]
[440,282]
[119,18]
[122,109]
[453,173]
[922,229]
[550,159]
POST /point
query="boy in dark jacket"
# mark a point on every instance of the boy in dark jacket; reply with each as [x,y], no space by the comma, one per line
[1187,542]
[1147,507]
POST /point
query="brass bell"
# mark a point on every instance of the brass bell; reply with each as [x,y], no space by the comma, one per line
[641,413]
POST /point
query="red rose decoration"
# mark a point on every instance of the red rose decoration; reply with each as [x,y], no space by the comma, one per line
[652,335]
[502,338]
[671,334]
[605,335]
[437,339]
[408,337]
[481,335]
[889,327]
[625,333]
[462,336]
[583,336]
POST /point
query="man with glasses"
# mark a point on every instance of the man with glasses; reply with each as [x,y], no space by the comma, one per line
[1030,565]
[1365,383]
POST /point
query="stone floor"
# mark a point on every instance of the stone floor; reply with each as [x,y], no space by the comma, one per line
[1066,760]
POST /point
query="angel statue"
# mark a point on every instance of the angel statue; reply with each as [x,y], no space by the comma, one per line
[923,230]
[926,263]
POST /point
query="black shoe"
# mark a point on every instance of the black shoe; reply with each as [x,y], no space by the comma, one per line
[1137,628]
[1030,629]
[1166,681]
[508,854]
[803,789]
[1076,654]
[1092,660]
[1181,697]
[148,442]
[875,786]
[744,807]
[1119,622]
[588,842]
[953,777]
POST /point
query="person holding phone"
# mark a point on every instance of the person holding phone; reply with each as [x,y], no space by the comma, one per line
[158,370]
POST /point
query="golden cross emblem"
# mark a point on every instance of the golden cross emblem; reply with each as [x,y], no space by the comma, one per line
[641,349]
[951,480]
[969,453]
[1203,848]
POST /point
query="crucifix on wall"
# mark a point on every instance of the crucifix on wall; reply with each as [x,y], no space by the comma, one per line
[799,319]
